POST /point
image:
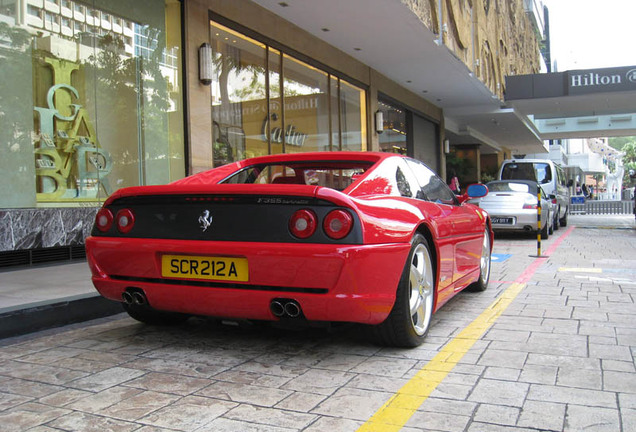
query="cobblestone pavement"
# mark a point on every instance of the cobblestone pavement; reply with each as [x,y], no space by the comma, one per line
[559,358]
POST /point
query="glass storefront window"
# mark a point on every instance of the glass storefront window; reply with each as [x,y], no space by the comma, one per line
[393,139]
[266,102]
[90,111]
[306,107]
[238,96]
[275,123]
[353,115]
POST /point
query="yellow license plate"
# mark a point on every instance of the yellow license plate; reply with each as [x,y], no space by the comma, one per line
[204,267]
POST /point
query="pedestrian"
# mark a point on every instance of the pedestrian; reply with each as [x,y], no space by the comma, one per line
[454,183]
[586,192]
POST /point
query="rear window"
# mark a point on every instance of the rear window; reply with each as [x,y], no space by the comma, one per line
[538,171]
[508,187]
[334,175]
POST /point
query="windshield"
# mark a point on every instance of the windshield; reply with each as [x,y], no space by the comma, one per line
[334,175]
[538,171]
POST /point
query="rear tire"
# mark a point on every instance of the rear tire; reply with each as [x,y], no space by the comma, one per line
[148,315]
[410,318]
[555,222]
[564,220]
[544,233]
[484,266]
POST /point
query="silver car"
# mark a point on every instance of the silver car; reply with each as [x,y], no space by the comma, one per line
[513,205]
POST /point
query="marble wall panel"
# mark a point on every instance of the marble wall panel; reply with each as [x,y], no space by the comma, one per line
[6,233]
[43,228]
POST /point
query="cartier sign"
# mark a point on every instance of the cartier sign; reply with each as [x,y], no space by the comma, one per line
[601,80]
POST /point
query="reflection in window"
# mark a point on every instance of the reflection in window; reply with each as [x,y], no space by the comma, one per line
[274,126]
[238,96]
[106,110]
[352,115]
[266,102]
[432,187]
[306,107]
[393,139]
[508,187]
[403,184]
[335,175]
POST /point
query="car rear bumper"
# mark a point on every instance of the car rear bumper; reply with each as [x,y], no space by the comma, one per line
[331,282]
[522,221]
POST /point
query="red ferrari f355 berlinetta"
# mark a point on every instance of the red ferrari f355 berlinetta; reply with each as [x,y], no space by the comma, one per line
[372,238]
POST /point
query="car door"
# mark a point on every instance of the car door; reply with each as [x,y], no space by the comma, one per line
[439,216]
[459,228]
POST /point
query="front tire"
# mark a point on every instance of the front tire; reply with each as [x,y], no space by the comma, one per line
[410,318]
[484,265]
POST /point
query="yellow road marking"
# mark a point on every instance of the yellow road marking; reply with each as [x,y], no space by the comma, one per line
[580,269]
[394,414]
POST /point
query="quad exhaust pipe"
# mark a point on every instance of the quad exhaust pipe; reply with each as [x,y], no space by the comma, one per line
[134,297]
[285,308]
[127,298]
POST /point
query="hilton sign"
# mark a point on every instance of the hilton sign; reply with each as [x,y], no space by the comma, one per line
[601,80]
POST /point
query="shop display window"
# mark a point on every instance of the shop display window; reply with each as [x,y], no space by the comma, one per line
[393,138]
[266,101]
[86,107]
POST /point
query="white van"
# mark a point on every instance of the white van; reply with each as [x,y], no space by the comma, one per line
[549,175]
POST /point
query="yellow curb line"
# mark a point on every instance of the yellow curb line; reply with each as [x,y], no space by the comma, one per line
[580,270]
[394,414]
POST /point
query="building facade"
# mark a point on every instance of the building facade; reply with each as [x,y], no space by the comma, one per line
[104,94]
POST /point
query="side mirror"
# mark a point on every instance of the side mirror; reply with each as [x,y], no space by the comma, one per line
[475,190]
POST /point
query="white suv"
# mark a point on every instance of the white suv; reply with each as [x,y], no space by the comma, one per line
[549,175]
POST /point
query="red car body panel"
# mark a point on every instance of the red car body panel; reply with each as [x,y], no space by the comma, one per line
[331,281]
[353,292]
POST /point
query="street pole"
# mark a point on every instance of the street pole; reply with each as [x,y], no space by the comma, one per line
[538,221]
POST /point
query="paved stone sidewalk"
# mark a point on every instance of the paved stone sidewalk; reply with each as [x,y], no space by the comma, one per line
[560,358]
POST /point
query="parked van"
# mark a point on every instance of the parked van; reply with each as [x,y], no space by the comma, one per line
[549,175]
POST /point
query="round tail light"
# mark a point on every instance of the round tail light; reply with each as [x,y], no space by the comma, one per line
[125,220]
[337,224]
[104,219]
[303,223]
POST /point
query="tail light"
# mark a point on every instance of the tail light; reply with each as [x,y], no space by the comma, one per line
[125,220]
[337,224]
[104,219]
[530,204]
[303,223]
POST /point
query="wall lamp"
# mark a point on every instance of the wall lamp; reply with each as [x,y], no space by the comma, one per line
[446,146]
[379,122]
[205,64]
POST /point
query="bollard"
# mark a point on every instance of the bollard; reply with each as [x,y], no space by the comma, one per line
[538,255]
[538,221]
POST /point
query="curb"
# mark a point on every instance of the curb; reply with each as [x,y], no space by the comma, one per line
[39,316]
